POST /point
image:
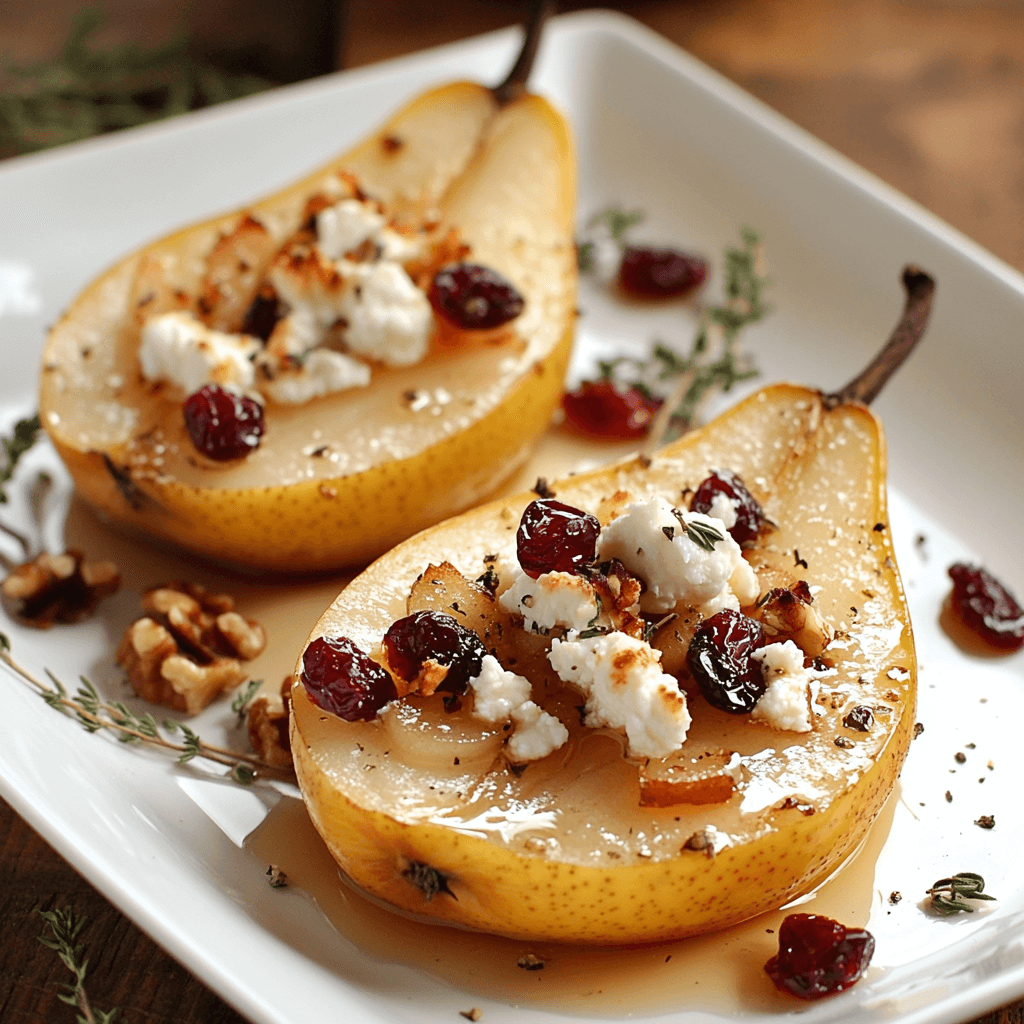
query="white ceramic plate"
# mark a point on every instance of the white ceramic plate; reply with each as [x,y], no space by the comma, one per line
[659,131]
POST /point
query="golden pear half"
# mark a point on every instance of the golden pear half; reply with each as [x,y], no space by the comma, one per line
[340,479]
[421,811]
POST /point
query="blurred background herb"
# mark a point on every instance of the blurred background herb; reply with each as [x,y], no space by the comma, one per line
[87,89]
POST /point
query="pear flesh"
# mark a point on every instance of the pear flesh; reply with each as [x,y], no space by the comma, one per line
[341,478]
[568,849]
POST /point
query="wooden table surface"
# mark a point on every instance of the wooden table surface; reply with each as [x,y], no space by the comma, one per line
[927,94]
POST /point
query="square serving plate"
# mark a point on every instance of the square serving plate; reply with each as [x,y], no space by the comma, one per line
[655,130]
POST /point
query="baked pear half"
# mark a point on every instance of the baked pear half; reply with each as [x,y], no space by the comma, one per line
[642,815]
[326,312]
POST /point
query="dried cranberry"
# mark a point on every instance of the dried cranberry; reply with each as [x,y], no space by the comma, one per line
[555,537]
[660,273]
[343,680]
[986,607]
[818,956]
[474,297]
[749,515]
[600,408]
[435,636]
[720,661]
[221,424]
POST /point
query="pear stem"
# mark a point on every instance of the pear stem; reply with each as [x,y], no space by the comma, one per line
[515,83]
[906,334]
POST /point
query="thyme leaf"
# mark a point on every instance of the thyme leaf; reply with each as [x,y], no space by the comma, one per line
[62,938]
[98,715]
[26,432]
[949,896]
[703,535]
[244,695]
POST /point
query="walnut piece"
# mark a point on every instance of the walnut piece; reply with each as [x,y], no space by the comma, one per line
[268,725]
[57,588]
[787,614]
[189,647]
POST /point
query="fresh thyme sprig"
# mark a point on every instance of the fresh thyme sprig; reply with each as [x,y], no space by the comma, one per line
[949,896]
[86,90]
[616,222]
[63,940]
[98,715]
[703,535]
[241,700]
[25,435]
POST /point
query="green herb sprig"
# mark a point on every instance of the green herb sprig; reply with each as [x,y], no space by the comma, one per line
[25,435]
[98,715]
[714,362]
[87,90]
[62,938]
[949,896]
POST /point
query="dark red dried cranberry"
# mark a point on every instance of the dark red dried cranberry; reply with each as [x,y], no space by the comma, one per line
[435,636]
[474,297]
[720,661]
[343,680]
[818,956]
[221,424]
[660,273]
[749,515]
[600,408]
[859,719]
[262,315]
[555,537]
[986,607]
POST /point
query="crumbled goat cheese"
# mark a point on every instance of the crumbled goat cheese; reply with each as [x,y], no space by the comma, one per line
[345,226]
[552,599]
[500,695]
[496,691]
[536,735]
[724,508]
[322,372]
[650,539]
[786,704]
[625,689]
[389,318]
[181,349]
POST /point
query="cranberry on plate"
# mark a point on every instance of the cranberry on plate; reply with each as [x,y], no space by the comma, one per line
[610,411]
[653,273]
[221,424]
[986,608]
[819,957]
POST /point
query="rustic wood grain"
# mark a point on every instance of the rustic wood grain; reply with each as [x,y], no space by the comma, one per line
[927,94]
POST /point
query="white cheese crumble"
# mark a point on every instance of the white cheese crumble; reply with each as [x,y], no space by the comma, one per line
[389,318]
[723,507]
[323,372]
[786,704]
[552,599]
[626,690]
[537,733]
[650,539]
[345,226]
[177,347]
[500,695]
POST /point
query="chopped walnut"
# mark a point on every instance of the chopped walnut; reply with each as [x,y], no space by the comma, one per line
[57,588]
[787,614]
[189,648]
[268,725]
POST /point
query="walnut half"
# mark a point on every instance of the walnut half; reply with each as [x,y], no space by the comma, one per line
[57,588]
[189,648]
[268,725]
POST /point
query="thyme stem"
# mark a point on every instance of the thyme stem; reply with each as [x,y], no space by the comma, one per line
[64,928]
[99,715]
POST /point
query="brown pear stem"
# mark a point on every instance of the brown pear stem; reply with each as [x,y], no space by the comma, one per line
[515,83]
[906,334]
